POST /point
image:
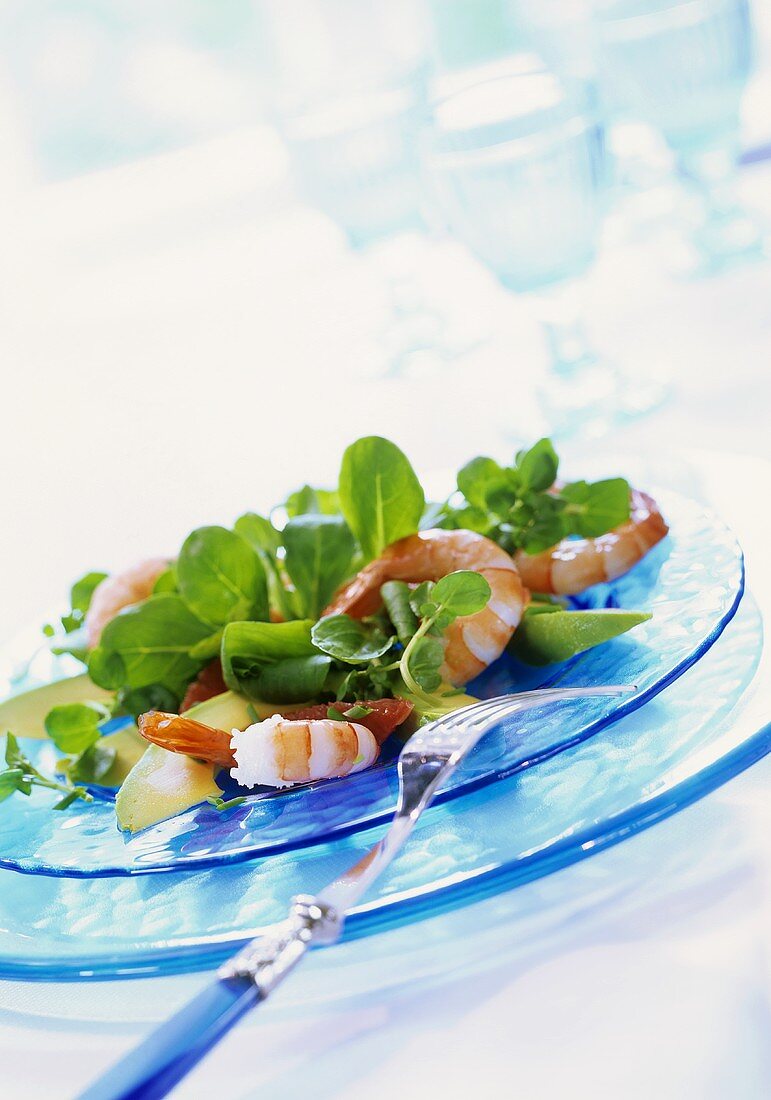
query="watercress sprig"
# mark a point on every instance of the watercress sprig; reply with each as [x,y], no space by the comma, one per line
[72,621]
[523,507]
[437,605]
[20,775]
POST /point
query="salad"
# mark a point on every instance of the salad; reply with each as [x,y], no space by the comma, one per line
[287,649]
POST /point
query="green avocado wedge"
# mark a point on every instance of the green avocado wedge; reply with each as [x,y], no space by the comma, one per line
[444,702]
[129,747]
[230,711]
[162,784]
[545,639]
[24,714]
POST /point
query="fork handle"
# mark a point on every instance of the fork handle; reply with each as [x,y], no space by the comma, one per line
[152,1069]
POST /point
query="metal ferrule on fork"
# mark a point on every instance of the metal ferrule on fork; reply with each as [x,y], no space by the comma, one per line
[267,960]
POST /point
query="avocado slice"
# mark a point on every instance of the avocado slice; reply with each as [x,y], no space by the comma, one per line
[24,714]
[545,639]
[230,711]
[162,784]
[445,701]
[129,748]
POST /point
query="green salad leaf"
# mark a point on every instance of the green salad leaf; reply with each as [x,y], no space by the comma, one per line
[136,701]
[20,776]
[93,764]
[350,640]
[310,501]
[72,623]
[274,662]
[537,467]
[594,508]
[294,680]
[438,604]
[266,541]
[208,647]
[74,727]
[80,600]
[422,666]
[149,644]
[477,478]
[461,593]
[9,782]
[259,532]
[396,598]
[221,577]
[522,507]
[166,582]
[380,495]
[319,551]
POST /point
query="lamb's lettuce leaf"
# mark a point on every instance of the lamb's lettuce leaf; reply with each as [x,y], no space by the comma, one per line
[276,662]
[221,578]
[149,644]
[350,640]
[380,495]
[319,551]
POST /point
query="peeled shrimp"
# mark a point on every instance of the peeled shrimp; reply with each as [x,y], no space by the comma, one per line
[120,590]
[575,564]
[279,752]
[472,642]
[274,753]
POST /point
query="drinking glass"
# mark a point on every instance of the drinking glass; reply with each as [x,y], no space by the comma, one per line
[517,164]
[349,96]
[354,156]
[681,66]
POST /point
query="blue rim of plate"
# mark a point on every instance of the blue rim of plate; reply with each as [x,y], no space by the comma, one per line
[469,786]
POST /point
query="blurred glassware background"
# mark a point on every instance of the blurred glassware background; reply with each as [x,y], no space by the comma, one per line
[90,84]
[95,83]
[519,168]
[349,98]
[681,67]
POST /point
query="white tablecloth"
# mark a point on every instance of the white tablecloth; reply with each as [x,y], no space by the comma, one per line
[183,342]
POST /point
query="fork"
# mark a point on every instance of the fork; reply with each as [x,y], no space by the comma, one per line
[152,1069]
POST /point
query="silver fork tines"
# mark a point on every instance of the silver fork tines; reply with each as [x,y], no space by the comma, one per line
[433,752]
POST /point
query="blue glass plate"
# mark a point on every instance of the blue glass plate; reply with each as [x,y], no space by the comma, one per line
[627,777]
[692,583]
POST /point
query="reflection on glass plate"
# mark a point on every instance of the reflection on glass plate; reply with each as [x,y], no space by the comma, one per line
[692,583]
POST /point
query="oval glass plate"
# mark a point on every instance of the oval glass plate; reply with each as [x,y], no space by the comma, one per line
[627,777]
[691,582]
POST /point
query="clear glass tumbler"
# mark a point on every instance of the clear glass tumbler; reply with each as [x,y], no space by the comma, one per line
[517,164]
[681,66]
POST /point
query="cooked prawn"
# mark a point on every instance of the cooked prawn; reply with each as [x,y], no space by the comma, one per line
[575,564]
[472,642]
[120,590]
[281,751]
[276,752]
[178,733]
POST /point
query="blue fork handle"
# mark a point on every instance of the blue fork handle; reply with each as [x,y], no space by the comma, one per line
[154,1067]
